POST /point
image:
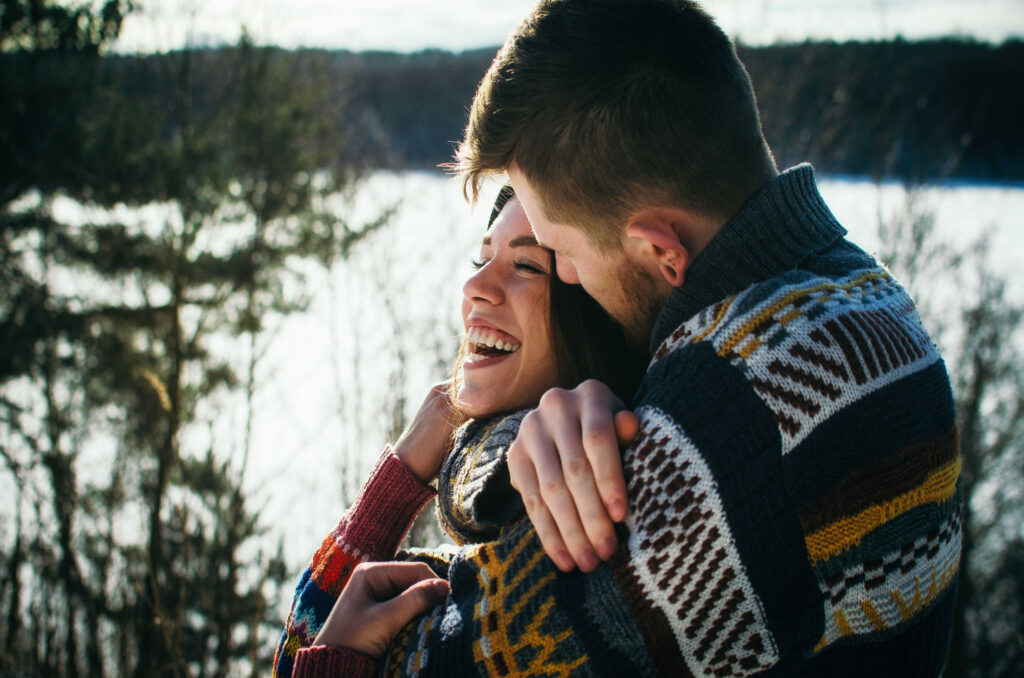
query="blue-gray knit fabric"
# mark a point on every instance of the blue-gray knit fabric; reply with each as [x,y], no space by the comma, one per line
[475,497]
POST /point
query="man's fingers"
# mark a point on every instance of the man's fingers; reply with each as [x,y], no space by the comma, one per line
[626,426]
[608,468]
[547,531]
[567,466]
[566,476]
[584,521]
[524,480]
[601,444]
[563,503]
[594,518]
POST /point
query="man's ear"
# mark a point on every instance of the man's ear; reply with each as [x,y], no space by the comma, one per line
[658,228]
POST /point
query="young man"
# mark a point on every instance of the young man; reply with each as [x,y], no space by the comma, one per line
[793,488]
[794,494]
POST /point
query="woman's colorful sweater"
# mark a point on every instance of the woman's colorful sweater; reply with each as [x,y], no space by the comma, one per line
[476,502]
[794,488]
[371,530]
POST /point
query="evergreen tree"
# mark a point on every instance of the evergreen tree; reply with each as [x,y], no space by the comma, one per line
[123,342]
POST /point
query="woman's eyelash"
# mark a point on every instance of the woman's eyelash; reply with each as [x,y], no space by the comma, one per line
[477,264]
[526,266]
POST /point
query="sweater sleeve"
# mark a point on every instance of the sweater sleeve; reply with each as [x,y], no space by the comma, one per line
[370,530]
[322,661]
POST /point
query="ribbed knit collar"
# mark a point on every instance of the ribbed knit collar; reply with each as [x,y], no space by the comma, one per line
[784,223]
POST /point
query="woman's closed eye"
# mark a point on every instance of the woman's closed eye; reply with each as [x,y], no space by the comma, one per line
[530,267]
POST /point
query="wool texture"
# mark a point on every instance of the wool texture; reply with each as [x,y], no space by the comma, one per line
[794,488]
[370,530]
[475,497]
[333,662]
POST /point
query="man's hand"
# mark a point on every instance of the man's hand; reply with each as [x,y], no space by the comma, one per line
[566,464]
[427,439]
[378,601]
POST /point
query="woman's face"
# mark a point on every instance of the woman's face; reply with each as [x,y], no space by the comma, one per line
[509,362]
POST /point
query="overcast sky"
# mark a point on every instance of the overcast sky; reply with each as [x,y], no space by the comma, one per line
[410,25]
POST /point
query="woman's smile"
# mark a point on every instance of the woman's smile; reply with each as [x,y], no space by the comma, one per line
[486,345]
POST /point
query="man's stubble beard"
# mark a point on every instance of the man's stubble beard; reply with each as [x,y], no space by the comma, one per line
[641,305]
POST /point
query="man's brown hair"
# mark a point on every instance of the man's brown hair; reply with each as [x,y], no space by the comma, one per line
[608,106]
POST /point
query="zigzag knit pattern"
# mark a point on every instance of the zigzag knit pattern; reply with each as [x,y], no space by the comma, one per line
[512,613]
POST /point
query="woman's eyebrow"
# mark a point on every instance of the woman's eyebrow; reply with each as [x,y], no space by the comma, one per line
[521,241]
[525,241]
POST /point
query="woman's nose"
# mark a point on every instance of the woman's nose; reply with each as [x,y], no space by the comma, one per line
[484,286]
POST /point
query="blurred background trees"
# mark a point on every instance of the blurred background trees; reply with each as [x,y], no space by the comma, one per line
[965,303]
[129,544]
[148,564]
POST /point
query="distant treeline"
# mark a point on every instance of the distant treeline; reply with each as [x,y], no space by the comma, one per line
[916,110]
[922,111]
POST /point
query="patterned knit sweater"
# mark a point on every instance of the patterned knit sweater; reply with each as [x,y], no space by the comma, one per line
[794,488]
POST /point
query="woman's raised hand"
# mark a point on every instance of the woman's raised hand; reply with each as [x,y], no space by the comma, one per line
[427,439]
[566,464]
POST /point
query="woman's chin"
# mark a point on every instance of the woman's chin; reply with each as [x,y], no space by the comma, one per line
[471,404]
[471,412]
[476,405]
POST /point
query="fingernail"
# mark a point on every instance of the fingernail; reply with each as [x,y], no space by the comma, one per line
[607,547]
[588,561]
[564,561]
[441,588]
[618,510]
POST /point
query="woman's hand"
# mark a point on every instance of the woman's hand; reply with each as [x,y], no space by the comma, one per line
[427,439]
[380,599]
[566,464]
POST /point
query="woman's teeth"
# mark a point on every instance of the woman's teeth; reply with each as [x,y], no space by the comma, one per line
[479,337]
[474,357]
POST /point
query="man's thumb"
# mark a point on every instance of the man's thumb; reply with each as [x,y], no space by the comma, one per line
[626,426]
[413,602]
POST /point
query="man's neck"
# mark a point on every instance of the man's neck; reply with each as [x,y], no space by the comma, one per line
[708,227]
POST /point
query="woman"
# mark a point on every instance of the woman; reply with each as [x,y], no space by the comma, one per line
[525,332]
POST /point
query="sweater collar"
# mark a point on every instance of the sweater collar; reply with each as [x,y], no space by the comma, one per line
[785,222]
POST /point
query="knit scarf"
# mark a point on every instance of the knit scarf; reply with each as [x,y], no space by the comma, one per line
[475,499]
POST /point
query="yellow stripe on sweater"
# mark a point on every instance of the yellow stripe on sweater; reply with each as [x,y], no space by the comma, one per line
[938,487]
[780,303]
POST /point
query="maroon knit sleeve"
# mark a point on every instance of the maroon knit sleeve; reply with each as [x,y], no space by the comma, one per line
[322,661]
[384,509]
[370,530]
